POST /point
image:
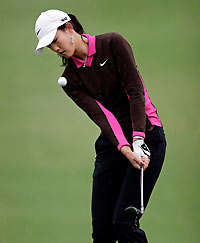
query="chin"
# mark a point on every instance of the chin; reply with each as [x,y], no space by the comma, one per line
[68,55]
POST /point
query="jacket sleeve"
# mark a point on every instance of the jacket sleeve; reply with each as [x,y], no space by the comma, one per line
[131,81]
[98,114]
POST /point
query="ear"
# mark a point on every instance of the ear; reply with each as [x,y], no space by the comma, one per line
[69,26]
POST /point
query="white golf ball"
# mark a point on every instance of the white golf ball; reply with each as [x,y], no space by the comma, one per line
[62,81]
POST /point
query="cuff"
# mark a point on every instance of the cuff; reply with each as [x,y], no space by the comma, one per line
[123,144]
[141,134]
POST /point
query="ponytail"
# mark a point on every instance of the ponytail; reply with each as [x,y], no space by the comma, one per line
[76,24]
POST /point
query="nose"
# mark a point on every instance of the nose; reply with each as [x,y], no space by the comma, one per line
[55,48]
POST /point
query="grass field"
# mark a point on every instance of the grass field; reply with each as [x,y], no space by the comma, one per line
[47,151]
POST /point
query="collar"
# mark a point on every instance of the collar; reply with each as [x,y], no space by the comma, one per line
[91,51]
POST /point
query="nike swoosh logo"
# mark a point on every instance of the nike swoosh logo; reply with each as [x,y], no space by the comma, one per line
[38,32]
[145,150]
[102,64]
[147,154]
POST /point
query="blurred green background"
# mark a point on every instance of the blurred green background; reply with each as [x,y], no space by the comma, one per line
[47,152]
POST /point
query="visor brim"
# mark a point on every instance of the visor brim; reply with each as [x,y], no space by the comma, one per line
[45,41]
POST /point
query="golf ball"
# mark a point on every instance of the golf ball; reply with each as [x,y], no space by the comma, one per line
[62,81]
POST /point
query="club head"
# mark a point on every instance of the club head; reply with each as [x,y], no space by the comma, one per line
[133,211]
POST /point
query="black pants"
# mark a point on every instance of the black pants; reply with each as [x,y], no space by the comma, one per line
[116,186]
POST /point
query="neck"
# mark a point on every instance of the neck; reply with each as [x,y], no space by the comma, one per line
[81,47]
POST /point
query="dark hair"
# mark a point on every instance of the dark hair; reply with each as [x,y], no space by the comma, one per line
[77,27]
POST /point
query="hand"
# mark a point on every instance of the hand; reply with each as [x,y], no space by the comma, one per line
[145,162]
[134,158]
[141,148]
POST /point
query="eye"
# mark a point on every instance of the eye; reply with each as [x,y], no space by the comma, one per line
[49,46]
[54,41]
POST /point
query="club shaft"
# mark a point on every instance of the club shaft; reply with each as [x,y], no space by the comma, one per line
[141,189]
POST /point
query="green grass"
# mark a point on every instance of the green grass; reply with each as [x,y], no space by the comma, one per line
[47,151]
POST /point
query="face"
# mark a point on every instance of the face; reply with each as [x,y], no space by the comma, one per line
[62,43]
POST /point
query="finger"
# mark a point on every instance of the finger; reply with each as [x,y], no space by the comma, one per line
[138,159]
[144,166]
[145,160]
[136,165]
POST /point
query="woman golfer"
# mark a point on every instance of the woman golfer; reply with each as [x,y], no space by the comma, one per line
[102,78]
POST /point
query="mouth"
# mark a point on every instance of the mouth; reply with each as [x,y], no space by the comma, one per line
[62,53]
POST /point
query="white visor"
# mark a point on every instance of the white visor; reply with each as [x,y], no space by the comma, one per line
[45,41]
[46,27]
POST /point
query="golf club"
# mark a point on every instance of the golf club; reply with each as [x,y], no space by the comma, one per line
[134,210]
